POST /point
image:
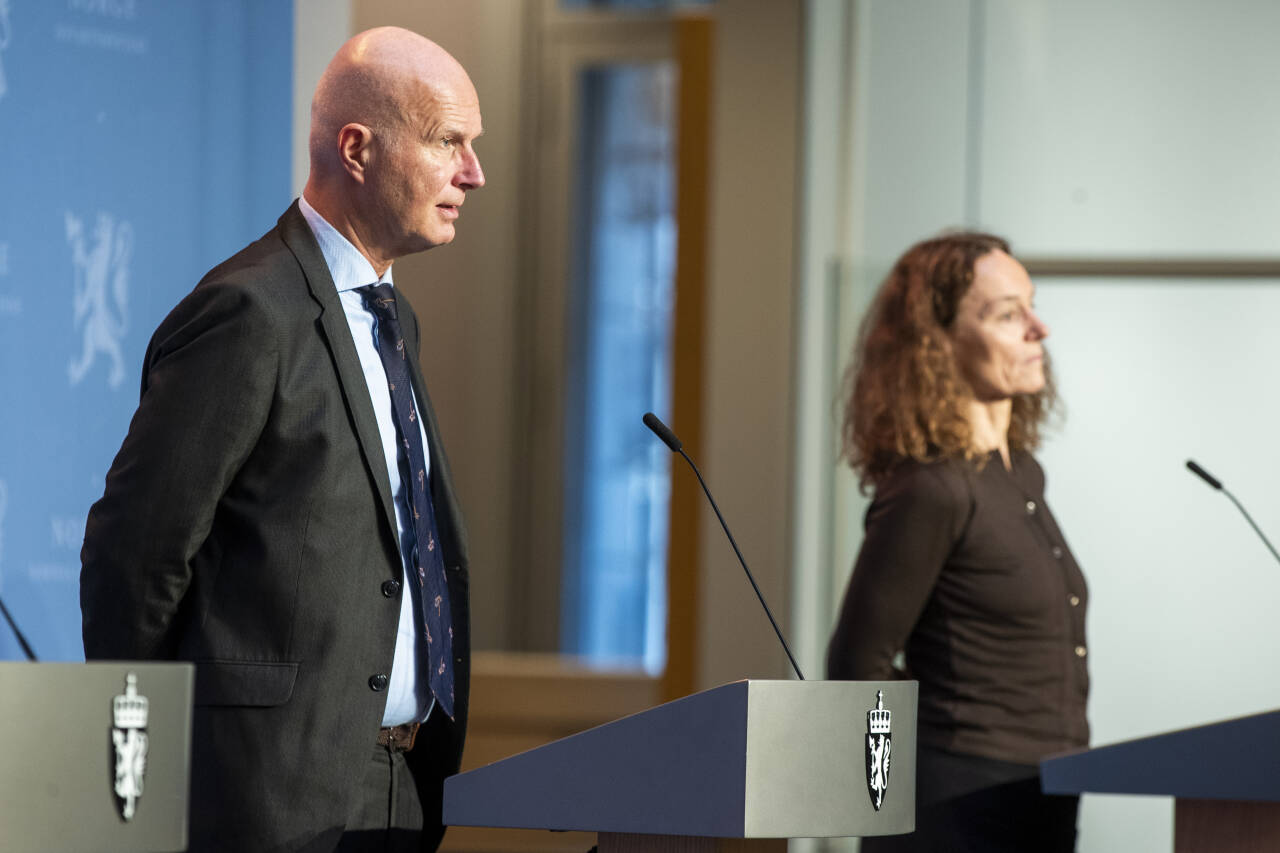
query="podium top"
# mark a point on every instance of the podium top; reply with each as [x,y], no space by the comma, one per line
[1229,760]
[750,759]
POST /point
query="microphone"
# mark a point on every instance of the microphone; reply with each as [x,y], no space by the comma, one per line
[1204,475]
[668,437]
[1217,484]
[22,641]
[663,432]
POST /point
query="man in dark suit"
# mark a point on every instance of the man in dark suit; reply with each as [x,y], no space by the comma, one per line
[281,511]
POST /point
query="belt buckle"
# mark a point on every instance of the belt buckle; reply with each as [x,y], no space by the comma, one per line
[399,738]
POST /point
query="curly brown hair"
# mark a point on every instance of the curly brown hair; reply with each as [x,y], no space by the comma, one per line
[905,395]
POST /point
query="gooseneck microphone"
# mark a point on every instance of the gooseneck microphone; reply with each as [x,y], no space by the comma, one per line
[1217,484]
[22,641]
[1206,476]
[668,437]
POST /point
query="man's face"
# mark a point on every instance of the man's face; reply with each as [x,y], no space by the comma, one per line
[425,167]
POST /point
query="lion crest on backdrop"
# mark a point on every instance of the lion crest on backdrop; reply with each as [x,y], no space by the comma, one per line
[5,34]
[101,292]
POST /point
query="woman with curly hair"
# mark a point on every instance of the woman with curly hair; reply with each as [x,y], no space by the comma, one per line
[964,581]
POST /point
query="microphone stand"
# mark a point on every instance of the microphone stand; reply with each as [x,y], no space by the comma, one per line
[669,439]
[1217,484]
[22,641]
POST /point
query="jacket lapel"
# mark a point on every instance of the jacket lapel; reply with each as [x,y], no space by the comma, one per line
[337,334]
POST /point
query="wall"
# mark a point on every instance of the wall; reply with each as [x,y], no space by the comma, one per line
[470,296]
[467,294]
[1096,133]
[747,414]
[319,29]
[144,143]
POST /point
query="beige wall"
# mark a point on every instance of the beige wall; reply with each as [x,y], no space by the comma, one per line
[466,293]
[469,298]
[747,413]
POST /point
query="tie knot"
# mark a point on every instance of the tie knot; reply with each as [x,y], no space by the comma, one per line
[380,299]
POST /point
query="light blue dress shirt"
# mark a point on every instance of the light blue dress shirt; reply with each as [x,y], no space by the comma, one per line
[409,698]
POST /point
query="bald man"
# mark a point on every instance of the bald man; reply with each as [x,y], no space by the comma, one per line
[281,511]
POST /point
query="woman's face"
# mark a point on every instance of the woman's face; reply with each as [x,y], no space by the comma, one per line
[996,335]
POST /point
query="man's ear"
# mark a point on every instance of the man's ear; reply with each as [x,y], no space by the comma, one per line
[355,142]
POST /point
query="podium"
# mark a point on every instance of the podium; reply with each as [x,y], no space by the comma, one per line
[1222,775]
[738,767]
[66,729]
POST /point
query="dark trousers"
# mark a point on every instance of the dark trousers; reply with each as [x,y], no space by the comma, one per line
[387,816]
[965,803]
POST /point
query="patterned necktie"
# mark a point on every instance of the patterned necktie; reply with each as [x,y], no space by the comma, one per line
[434,599]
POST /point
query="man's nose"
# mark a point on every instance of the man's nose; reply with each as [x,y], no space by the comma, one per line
[470,176]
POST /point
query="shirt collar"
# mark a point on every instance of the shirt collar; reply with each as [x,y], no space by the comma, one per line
[347,266]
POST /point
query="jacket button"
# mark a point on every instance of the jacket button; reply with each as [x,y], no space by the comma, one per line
[1074,600]
[378,683]
[1031,507]
[390,588]
[1081,651]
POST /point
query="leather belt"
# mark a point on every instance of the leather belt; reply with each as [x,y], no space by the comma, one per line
[398,738]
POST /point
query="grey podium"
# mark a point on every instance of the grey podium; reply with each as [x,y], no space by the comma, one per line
[94,756]
[742,766]
[1225,778]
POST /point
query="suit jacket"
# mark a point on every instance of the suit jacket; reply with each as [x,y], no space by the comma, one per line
[247,525]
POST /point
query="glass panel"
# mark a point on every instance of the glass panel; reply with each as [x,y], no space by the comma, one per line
[617,477]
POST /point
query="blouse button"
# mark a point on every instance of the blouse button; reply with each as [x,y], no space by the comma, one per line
[1081,651]
[1057,553]
[1075,602]
[1031,507]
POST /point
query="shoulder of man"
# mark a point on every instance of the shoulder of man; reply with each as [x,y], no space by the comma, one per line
[263,283]
[243,305]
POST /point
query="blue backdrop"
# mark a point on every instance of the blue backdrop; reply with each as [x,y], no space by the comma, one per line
[141,141]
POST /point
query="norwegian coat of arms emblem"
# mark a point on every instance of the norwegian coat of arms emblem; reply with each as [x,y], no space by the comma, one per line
[129,734]
[4,42]
[101,299]
[879,742]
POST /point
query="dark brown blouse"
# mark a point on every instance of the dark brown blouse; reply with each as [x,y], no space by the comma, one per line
[966,572]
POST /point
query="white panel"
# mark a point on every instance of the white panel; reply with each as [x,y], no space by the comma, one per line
[911,75]
[1142,127]
[824,201]
[1181,625]
[913,59]
[1110,824]
[319,29]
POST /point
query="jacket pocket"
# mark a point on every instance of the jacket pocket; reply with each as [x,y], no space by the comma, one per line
[224,682]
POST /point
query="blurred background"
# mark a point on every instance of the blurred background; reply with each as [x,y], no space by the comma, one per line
[688,206]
